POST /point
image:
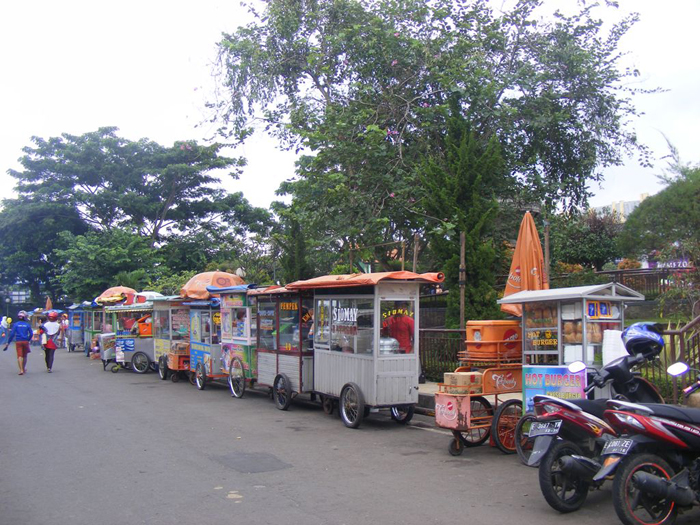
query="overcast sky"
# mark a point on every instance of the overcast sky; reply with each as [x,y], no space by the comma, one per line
[144,66]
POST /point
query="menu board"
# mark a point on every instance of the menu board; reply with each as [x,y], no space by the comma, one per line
[180,323]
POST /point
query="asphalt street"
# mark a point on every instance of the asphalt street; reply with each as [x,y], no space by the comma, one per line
[83,446]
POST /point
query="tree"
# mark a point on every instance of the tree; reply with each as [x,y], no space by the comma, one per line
[142,186]
[30,231]
[589,239]
[459,194]
[668,221]
[90,263]
[363,88]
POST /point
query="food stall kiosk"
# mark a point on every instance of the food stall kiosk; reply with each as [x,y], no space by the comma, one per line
[171,337]
[238,331]
[205,341]
[365,341]
[133,327]
[76,323]
[564,325]
[94,319]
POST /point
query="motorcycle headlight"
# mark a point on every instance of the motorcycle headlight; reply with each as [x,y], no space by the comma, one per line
[628,420]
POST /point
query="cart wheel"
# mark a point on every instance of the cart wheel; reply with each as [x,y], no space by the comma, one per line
[115,368]
[456,446]
[200,378]
[236,377]
[480,408]
[282,391]
[140,363]
[504,423]
[402,414]
[175,377]
[190,377]
[523,443]
[351,406]
[328,404]
[163,371]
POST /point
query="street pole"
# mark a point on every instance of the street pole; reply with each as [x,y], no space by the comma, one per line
[415,251]
[462,277]
[403,255]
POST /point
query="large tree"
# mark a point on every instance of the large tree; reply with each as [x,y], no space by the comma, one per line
[590,239]
[362,87]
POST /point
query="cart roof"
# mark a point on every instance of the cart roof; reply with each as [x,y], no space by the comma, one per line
[239,288]
[365,279]
[214,302]
[603,292]
[274,289]
[140,307]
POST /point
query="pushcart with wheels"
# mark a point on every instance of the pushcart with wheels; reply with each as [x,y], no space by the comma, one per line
[488,407]
[171,337]
[365,342]
[205,342]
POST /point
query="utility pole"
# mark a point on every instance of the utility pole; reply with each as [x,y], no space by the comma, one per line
[462,278]
[415,251]
[403,255]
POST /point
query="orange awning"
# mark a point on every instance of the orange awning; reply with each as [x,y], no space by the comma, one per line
[364,279]
[527,268]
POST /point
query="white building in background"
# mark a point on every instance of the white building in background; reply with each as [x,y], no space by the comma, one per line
[622,208]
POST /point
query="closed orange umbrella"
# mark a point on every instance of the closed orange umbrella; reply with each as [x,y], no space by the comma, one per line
[49,304]
[196,288]
[527,268]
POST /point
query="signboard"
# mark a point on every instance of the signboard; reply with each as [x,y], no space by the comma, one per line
[540,340]
[160,347]
[232,301]
[555,381]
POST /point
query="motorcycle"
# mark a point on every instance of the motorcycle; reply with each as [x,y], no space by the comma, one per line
[657,463]
[569,434]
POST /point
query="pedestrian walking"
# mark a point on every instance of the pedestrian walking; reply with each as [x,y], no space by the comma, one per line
[50,333]
[5,329]
[21,333]
[64,332]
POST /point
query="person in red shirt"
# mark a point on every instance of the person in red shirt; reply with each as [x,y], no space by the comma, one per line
[401,327]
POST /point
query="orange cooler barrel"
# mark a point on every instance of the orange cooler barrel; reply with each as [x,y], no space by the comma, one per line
[494,341]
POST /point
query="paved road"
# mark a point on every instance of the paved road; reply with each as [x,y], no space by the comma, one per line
[83,446]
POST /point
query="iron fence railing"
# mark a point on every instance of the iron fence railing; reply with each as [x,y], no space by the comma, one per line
[438,351]
[682,344]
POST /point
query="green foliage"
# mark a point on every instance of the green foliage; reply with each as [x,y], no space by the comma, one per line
[668,222]
[170,283]
[458,191]
[589,239]
[30,231]
[91,261]
[585,277]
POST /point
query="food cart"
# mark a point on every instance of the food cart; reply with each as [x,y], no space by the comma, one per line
[365,341]
[93,317]
[205,341]
[564,325]
[133,326]
[171,337]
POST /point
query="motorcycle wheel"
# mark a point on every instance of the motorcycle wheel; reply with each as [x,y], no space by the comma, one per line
[634,507]
[564,493]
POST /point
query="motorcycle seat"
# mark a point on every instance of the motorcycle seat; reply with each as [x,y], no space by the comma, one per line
[685,414]
[595,407]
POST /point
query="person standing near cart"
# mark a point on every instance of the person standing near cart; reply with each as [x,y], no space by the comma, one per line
[21,333]
[50,333]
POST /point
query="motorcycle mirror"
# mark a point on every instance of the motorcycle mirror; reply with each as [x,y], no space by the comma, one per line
[677,369]
[576,367]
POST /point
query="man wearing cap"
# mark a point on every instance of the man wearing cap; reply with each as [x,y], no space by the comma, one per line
[21,333]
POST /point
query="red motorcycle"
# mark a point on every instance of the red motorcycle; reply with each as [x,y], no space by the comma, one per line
[570,435]
[657,465]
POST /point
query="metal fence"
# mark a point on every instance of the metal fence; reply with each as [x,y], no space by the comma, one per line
[651,282]
[682,344]
[438,351]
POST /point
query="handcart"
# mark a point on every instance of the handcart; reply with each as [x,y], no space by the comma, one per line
[108,353]
[171,334]
[205,342]
[481,399]
[365,342]
[76,324]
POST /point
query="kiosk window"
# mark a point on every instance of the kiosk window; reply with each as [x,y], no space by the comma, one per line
[322,323]
[180,324]
[352,325]
[307,324]
[161,324]
[266,328]
[239,322]
[398,324]
[289,325]
[206,328]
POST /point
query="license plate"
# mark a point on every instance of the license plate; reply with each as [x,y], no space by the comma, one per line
[617,446]
[545,428]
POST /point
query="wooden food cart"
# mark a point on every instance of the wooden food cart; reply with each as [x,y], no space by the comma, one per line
[171,337]
[365,341]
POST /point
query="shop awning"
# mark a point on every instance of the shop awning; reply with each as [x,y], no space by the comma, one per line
[240,288]
[594,292]
[364,279]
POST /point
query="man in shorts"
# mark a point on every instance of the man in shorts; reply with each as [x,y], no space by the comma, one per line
[21,333]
